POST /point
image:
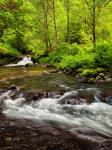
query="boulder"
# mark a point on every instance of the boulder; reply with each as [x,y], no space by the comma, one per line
[34,95]
[46,73]
[83,96]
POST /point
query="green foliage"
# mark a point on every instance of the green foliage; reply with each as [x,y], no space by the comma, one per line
[33,45]
[78,61]
[91,72]
[61,36]
[64,50]
[88,72]
[9,36]
[7,50]
[104,54]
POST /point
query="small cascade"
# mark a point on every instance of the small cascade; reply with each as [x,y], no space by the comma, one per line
[26,60]
[95,116]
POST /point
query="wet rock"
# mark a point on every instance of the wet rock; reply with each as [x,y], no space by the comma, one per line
[54,95]
[82,80]
[109,100]
[34,95]
[46,73]
[90,94]
[102,75]
[60,72]
[54,71]
[2,91]
[16,95]
[37,95]
[69,95]
[8,94]
[83,96]
[26,137]
[98,78]
[29,65]
[108,79]
[12,88]
[12,92]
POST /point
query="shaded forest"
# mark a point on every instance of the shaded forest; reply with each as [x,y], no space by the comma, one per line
[65,33]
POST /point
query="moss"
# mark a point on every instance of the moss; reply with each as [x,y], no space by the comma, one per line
[91,79]
[88,72]
[93,73]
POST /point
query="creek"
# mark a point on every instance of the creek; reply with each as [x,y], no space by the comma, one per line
[83,110]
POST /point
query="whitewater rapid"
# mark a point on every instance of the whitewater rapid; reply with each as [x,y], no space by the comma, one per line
[95,117]
[23,62]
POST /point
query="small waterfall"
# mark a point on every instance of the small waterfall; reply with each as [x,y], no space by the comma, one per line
[26,60]
[94,117]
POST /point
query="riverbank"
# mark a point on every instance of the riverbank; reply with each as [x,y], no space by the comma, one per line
[83,75]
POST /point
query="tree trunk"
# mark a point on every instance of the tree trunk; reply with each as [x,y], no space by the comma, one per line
[68,22]
[46,33]
[67,6]
[55,24]
[94,24]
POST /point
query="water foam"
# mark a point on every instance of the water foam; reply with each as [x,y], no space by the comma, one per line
[94,117]
[23,62]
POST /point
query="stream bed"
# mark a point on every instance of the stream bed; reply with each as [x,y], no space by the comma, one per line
[41,110]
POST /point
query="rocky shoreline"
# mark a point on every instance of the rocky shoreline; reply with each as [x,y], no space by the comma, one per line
[98,75]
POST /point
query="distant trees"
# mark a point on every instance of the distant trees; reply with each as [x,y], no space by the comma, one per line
[94,7]
[46,24]
[42,7]
[53,8]
[67,7]
[6,9]
[41,26]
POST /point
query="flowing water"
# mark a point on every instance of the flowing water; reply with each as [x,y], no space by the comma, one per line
[60,110]
[25,60]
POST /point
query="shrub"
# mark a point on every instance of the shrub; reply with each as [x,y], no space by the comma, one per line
[7,50]
[56,56]
[104,54]
[78,61]
[68,62]
[9,36]
[44,60]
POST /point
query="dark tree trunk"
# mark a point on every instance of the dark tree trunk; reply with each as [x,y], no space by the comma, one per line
[94,24]
[55,24]
[68,22]
[67,6]
[46,24]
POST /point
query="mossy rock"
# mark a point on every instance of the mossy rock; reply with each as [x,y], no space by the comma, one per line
[91,80]
[88,72]
[98,78]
